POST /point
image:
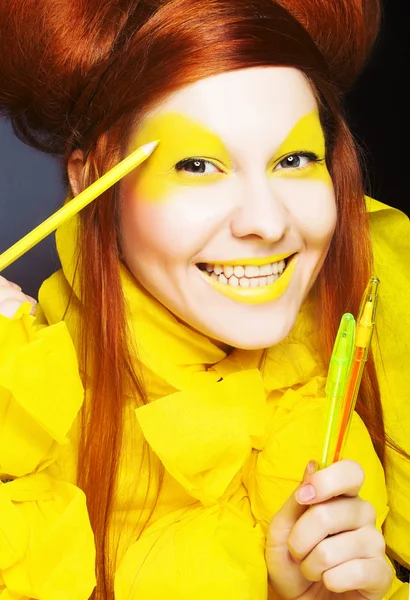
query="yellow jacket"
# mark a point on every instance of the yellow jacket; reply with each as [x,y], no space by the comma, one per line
[234,434]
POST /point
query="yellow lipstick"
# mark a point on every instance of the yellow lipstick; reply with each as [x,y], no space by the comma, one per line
[257,295]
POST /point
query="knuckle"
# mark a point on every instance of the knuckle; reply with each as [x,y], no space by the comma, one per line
[357,576]
[379,544]
[323,556]
[343,476]
[368,511]
[332,582]
[365,572]
[323,516]
[369,539]
[357,472]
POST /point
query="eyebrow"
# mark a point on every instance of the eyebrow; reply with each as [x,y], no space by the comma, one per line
[307,130]
[182,137]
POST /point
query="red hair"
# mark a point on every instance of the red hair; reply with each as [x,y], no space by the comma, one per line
[90,68]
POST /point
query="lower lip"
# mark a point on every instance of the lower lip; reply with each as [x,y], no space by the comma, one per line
[258,295]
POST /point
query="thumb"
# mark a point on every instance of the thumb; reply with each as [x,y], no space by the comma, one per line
[292,509]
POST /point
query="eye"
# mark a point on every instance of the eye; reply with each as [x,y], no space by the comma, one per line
[197,166]
[299,160]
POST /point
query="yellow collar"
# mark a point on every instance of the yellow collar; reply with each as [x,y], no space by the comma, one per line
[207,410]
[173,351]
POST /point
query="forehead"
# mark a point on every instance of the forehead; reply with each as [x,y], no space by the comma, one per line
[246,105]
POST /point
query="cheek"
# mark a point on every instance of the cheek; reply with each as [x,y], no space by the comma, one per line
[177,228]
[312,206]
[147,229]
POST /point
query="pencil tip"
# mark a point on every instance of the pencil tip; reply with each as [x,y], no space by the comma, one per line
[150,147]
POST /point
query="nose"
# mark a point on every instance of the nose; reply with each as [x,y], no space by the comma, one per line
[260,211]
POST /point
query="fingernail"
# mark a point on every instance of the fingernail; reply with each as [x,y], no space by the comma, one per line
[312,467]
[305,493]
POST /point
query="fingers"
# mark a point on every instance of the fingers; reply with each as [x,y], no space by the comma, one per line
[342,478]
[329,518]
[11,298]
[335,541]
[372,576]
[362,543]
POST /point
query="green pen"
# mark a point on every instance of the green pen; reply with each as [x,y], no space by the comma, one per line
[336,382]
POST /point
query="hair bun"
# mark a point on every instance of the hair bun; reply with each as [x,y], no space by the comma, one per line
[343,30]
[53,51]
[50,50]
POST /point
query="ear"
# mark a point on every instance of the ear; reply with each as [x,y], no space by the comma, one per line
[75,169]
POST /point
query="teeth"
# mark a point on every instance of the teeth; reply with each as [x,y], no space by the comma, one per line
[246,276]
[251,271]
[265,269]
[278,267]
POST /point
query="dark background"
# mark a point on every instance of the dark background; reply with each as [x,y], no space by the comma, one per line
[31,185]
[378,108]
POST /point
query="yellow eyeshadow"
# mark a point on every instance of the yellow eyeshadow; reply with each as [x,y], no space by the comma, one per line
[180,138]
[307,135]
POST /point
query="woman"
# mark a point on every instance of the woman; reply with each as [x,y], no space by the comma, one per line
[201,297]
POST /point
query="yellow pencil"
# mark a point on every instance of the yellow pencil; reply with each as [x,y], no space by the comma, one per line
[79,202]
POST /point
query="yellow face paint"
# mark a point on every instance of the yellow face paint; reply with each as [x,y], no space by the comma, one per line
[306,136]
[180,138]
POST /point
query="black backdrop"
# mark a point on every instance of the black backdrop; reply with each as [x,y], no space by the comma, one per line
[378,109]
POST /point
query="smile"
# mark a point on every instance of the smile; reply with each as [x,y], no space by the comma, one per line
[246,275]
[251,283]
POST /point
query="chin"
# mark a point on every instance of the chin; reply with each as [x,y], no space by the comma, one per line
[253,339]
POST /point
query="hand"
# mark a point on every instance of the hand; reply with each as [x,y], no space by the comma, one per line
[11,298]
[327,544]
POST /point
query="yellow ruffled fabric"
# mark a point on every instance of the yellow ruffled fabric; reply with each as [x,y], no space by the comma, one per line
[234,434]
[46,542]
[391,247]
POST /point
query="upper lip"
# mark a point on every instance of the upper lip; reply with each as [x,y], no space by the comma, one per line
[252,261]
